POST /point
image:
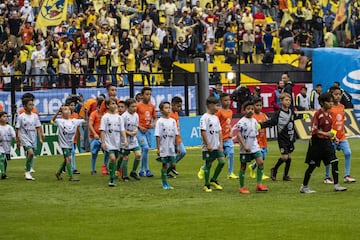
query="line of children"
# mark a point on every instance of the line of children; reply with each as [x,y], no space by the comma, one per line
[249,148]
[166,134]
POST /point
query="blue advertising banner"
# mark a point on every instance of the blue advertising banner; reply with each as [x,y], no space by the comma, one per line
[48,102]
[338,64]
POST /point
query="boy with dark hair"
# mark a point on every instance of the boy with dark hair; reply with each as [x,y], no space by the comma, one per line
[212,145]
[249,148]
[338,116]
[67,130]
[261,137]
[147,120]
[166,138]
[320,144]
[27,125]
[176,105]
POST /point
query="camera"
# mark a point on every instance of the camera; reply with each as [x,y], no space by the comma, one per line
[72,98]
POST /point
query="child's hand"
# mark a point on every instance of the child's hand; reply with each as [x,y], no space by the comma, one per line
[209,147]
[103,146]
[247,149]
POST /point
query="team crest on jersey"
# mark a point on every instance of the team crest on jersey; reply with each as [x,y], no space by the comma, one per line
[282,150]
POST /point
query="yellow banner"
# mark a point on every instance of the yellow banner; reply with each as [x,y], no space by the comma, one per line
[303,127]
[52,13]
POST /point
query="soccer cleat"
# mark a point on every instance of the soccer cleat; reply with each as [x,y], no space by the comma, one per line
[76,171]
[74,179]
[287,178]
[3,176]
[264,177]
[32,170]
[170,176]
[232,176]
[111,184]
[166,186]
[251,171]
[201,173]
[349,179]
[142,174]
[126,179]
[207,188]
[104,170]
[338,188]
[93,172]
[305,189]
[149,173]
[28,176]
[273,174]
[329,180]
[134,175]
[261,188]
[174,171]
[216,185]
[58,176]
[244,190]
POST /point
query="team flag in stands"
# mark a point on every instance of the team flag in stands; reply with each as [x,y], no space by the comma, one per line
[340,13]
[52,13]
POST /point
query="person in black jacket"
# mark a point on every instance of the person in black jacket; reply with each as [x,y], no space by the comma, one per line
[288,87]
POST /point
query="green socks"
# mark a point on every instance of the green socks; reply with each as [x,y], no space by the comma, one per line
[68,169]
[125,168]
[2,164]
[242,178]
[112,170]
[135,165]
[259,174]
[207,173]
[28,164]
[218,169]
[164,175]
[62,166]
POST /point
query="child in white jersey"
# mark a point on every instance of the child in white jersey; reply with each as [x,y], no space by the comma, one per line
[67,129]
[131,122]
[212,143]
[166,133]
[7,134]
[112,132]
[27,125]
[249,147]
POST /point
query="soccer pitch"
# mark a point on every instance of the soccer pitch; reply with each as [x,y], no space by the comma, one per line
[89,209]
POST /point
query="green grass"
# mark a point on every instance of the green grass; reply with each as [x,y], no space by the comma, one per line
[89,209]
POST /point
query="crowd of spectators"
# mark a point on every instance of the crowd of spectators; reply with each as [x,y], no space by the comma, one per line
[108,43]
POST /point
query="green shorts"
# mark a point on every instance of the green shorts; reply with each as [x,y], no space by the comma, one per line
[245,158]
[126,152]
[213,155]
[66,152]
[115,152]
[28,148]
[166,160]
